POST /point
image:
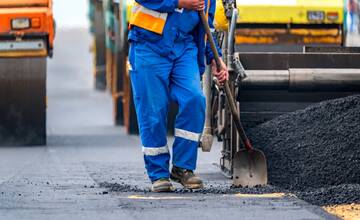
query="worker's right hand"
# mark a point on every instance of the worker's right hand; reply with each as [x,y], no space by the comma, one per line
[197,5]
[221,74]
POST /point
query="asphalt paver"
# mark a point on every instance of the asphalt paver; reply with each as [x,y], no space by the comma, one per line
[91,169]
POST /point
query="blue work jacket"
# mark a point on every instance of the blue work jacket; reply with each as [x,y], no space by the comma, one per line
[163,44]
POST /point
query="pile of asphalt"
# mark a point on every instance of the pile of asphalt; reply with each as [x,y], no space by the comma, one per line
[315,152]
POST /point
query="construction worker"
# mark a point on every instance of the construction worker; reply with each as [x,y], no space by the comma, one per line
[167,50]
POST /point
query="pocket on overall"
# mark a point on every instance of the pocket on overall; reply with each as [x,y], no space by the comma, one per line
[146,35]
[132,57]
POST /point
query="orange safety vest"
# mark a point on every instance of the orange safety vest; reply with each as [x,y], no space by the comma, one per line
[150,20]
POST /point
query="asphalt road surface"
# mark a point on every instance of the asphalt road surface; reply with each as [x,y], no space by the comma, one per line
[93,170]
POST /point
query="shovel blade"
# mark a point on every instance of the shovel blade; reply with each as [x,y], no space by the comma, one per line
[249,169]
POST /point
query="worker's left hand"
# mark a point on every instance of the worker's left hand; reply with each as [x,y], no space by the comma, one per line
[223,74]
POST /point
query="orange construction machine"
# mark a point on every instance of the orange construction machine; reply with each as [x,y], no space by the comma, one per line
[26,28]
[27,31]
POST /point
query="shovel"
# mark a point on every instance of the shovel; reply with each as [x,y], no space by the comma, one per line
[249,164]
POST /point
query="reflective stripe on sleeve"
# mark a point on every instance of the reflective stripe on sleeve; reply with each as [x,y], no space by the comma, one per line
[148,19]
[154,151]
[153,13]
[187,135]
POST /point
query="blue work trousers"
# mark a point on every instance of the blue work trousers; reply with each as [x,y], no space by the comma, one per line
[155,81]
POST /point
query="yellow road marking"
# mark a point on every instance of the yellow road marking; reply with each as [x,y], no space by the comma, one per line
[346,212]
[269,195]
[157,197]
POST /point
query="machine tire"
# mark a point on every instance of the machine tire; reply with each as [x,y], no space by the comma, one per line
[344,36]
[120,69]
[119,75]
[99,48]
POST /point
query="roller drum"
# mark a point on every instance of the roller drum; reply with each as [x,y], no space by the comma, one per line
[23,101]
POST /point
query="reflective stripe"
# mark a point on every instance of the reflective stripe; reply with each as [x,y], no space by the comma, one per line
[154,151]
[187,135]
[180,10]
[139,8]
[148,19]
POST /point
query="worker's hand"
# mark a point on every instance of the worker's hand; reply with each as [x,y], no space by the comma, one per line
[197,5]
[223,74]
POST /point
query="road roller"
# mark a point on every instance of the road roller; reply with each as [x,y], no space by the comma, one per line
[27,31]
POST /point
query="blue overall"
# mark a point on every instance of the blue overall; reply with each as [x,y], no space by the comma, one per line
[163,68]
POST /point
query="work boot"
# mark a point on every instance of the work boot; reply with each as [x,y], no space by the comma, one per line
[162,185]
[187,178]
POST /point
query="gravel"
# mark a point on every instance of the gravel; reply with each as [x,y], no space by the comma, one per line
[315,151]
[223,189]
[209,189]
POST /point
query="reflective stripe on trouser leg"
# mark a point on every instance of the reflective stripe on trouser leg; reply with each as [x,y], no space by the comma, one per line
[157,162]
[185,89]
[188,135]
[149,78]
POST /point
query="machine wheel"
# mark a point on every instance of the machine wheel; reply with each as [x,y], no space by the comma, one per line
[99,48]
[118,95]
[344,36]
[23,101]
[120,62]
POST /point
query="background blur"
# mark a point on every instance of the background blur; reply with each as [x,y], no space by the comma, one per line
[71,13]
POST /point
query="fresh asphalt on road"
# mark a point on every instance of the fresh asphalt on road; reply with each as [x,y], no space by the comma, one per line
[66,179]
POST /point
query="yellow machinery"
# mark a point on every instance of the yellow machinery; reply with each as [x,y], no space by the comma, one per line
[305,22]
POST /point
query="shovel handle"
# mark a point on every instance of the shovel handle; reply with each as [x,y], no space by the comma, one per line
[210,38]
[236,117]
[231,100]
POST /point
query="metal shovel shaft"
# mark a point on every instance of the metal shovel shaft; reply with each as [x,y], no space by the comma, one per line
[232,104]
[249,166]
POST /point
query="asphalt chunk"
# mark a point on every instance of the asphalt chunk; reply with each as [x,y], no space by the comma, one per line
[315,152]
[117,187]
[209,189]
